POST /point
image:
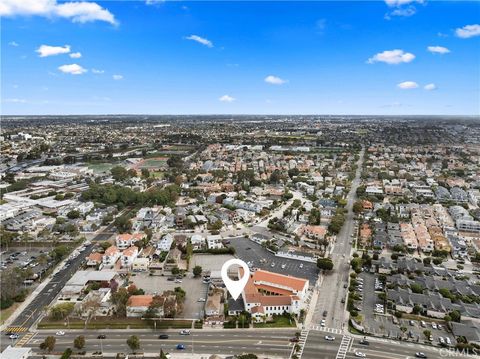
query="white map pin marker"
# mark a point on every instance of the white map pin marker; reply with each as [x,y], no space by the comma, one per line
[235,287]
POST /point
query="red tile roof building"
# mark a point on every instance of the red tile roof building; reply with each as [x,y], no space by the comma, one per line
[268,293]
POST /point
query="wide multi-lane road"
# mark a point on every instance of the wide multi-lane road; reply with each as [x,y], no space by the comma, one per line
[34,310]
[266,343]
[319,348]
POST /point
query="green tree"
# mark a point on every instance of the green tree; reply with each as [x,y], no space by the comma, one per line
[48,343]
[197,271]
[119,173]
[416,288]
[325,263]
[358,207]
[61,311]
[455,316]
[133,343]
[73,214]
[66,354]
[427,333]
[79,342]
[123,224]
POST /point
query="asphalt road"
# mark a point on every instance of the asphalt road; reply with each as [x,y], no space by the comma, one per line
[33,311]
[264,343]
[319,348]
[332,289]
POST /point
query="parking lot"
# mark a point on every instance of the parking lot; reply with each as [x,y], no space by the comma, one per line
[382,324]
[209,262]
[195,289]
[249,251]
[25,258]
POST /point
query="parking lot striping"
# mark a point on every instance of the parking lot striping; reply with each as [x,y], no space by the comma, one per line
[344,345]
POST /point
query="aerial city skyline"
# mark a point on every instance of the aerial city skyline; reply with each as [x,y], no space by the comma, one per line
[240,179]
[162,57]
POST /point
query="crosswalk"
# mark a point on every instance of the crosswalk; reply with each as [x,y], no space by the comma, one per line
[344,347]
[326,330]
[25,339]
[16,329]
[301,342]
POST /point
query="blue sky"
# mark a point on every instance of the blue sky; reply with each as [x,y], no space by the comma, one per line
[153,57]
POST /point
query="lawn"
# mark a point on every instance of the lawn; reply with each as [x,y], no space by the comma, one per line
[278,322]
[100,167]
[114,323]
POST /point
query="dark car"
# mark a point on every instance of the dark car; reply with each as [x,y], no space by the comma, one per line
[364,342]
[102,336]
[325,313]
[294,340]
[180,347]
[163,336]
[170,279]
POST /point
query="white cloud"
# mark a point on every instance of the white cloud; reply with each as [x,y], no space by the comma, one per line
[75,55]
[392,57]
[407,85]
[438,50]
[394,3]
[274,80]
[408,11]
[46,50]
[13,43]
[73,69]
[468,31]
[200,40]
[226,98]
[78,11]
[15,100]
[96,71]
[430,87]
[117,77]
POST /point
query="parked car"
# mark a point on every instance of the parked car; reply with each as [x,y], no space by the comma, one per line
[201,300]
[329,338]
[325,313]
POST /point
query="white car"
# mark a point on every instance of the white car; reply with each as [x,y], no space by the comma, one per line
[201,300]
[434,325]
[329,338]
[185,332]
[360,355]
[60,333]
[322,323]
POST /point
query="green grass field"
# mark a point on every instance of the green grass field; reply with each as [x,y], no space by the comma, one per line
[100,167]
